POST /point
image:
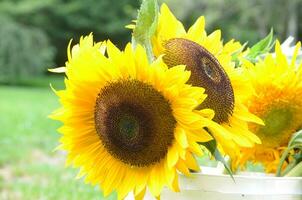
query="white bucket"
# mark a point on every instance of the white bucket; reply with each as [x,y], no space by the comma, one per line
[255,186]
[222,187]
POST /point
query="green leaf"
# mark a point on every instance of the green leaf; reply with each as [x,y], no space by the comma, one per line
[294,143]
[298,157]
[147,21]
[262,47]
[296,171]
[296,139]
[212,147]
[236,54]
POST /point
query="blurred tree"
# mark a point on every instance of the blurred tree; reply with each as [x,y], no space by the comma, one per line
[24,51]
[57,21]
[243,20]
[65,19]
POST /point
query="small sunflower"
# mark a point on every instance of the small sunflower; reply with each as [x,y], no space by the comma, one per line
[278,102]
[211,65]
[129,125]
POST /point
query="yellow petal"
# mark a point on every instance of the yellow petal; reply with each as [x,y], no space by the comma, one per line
[175,184]
[245,115]
[196,31]
[112,50]
[154,181]
[181,137]
[296,51]
[141,195]
[58,70]
[181,166]
[281,58]
[172,156]
[191,162]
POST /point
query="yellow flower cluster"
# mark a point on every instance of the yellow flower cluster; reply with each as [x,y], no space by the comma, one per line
[131,124]
[277,100]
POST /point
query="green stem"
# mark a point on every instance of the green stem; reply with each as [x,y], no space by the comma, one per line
[148,47]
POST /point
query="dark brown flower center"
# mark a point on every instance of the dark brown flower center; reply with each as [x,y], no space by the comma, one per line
[206,72]
[134,122]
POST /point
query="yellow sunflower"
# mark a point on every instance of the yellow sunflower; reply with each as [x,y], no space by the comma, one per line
[129,125]
[278,86]
[211,65]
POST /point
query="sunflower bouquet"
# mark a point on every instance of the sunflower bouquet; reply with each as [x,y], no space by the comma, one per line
[137,118]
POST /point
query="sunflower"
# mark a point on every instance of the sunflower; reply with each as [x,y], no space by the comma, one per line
[211,65]
[129,125]
[278,102]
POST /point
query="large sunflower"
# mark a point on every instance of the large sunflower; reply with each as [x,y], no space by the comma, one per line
[129,125]
[211,65]
[278,102]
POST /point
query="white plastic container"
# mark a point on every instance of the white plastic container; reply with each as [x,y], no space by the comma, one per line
[255,186]
[248,186]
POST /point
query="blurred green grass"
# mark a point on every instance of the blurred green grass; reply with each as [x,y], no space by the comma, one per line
[29,168]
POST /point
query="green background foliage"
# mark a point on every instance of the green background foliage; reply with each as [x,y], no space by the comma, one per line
[45,27]
[24,51]
[244,20]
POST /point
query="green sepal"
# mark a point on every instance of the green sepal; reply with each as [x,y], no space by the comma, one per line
[235,55]
[147,21]
[262,47]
